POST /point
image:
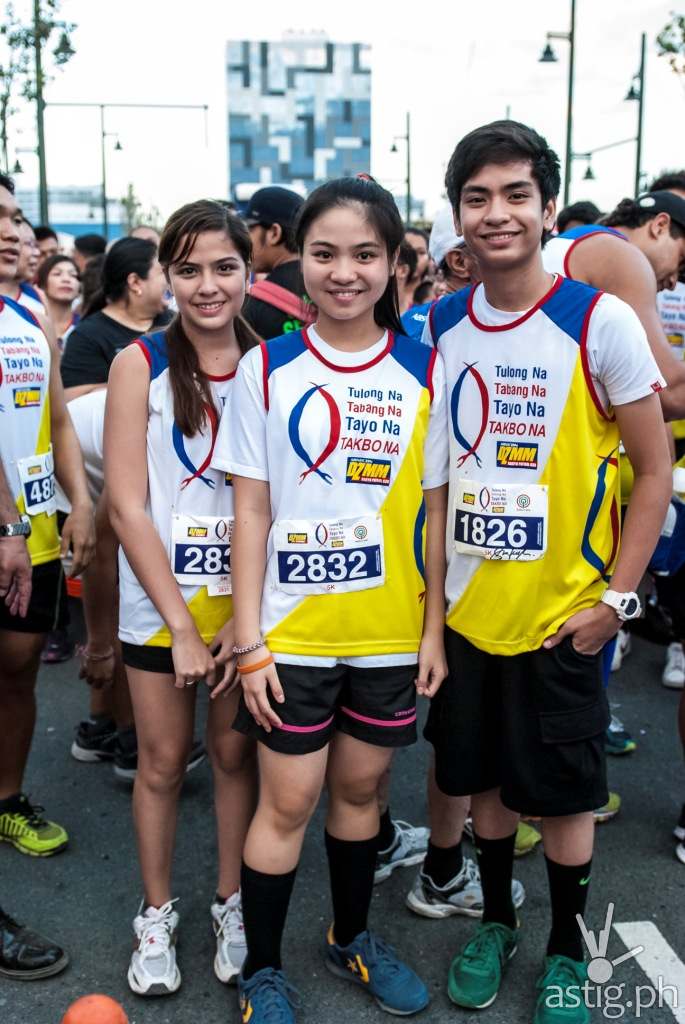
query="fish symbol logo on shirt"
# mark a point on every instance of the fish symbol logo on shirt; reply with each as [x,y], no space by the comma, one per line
[471,448]
[196,472]
[314,465]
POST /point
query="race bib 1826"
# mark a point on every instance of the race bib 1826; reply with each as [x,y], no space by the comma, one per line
[500,521]
[328,557]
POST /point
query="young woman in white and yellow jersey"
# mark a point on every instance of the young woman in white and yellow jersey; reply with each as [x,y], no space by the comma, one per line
[37,444]
[337,446]
[173,515]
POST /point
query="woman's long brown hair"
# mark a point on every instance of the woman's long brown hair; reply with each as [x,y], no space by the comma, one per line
[189,385]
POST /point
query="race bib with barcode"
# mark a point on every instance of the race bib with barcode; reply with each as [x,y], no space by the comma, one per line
[500,521]
[328,557]
[37,478]
[201,552]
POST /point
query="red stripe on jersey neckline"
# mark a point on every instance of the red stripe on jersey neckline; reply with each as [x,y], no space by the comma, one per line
[347,369]
[514,323]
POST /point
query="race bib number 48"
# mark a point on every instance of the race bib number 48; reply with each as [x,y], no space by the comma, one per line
[328,557]
[504,522]
[37,478]
[201,552]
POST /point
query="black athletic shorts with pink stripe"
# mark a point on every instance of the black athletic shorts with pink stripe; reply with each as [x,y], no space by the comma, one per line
[376,705]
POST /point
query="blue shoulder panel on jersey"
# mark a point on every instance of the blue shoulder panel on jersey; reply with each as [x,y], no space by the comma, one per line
[414,319]
[21,310]
[590,229]
[413,356]
[448,311]
[568,306]
[155,346]
[27,289]
[281,351]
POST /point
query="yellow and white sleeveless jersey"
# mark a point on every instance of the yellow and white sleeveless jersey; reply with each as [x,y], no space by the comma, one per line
[347,441]
[191,506]
[533,523]
[25,446]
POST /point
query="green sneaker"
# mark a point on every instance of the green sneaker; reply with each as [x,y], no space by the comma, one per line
[22,825]
[475,974]
[561,987]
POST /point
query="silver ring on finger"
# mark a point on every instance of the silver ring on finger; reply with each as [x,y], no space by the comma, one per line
[191,682]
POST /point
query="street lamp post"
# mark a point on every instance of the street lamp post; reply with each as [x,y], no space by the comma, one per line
[639,95]
[550,57]
[588,155]
[40,112]
[393,149]
[104,134]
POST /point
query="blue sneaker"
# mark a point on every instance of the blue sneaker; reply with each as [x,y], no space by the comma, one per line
[369,962]
[267,998]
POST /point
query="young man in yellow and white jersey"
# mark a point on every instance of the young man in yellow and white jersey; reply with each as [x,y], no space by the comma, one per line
[37,443]
[544,376]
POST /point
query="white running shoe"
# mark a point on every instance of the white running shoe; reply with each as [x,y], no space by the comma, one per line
[680,852]
[621,650]
[231,948]
[674,670]
[408,847]
[153,970]
[462,895]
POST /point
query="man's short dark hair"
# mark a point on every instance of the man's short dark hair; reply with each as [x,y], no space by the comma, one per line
[583,211]
[667,181]
[7,182]
[411,230]
[503,142]
[90,245]
[407,257]
[43,231]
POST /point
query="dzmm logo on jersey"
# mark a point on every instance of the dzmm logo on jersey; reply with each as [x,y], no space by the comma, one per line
[297,538]
[26,398]
[368,471]
[517,456]
[197,531]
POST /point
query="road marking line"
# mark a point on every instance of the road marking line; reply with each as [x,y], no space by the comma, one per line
[659,961]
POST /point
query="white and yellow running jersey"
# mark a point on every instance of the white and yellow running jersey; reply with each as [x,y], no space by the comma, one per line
[191,506]
[347,441]
[25,446]
[533,522]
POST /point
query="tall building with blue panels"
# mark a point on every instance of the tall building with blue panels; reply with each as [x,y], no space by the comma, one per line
[299,111]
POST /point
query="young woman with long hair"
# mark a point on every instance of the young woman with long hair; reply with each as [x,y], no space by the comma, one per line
[337,443]
[173,515]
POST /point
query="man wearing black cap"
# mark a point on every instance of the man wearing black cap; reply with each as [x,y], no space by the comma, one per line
[653,225]
[276,305]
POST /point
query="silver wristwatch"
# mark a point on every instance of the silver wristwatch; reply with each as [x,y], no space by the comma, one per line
[626,606]
[20,529]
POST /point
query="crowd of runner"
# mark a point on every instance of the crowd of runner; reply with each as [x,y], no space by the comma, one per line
[318,459]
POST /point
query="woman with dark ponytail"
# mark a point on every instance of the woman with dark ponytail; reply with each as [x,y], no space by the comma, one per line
[173,514]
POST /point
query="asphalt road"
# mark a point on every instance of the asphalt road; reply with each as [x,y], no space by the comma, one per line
[87,896]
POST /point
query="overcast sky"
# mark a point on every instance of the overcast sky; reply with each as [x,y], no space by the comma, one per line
[453,65]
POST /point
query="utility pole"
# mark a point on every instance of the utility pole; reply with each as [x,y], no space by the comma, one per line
[640,112]
[40,111]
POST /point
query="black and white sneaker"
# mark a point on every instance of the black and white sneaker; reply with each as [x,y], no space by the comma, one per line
[126,755]
[679,830]
[408,847]
[462,895]
[95,740]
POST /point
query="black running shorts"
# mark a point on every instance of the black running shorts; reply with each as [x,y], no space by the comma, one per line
[48,592]
[149,659]
[532,724]
[376,705]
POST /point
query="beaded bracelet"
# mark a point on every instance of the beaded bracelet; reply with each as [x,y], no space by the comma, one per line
[245,670]
[85,653]
[249,648]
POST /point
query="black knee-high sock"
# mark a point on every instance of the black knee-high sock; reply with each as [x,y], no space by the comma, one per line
[265,900]
[351,865]
[442,864]
[496,865]
[386,832]
[568,888]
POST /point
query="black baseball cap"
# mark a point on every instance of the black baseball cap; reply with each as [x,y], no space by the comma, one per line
[273,205]
[664,202]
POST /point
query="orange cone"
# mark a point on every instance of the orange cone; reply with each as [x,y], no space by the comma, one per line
[95,1009]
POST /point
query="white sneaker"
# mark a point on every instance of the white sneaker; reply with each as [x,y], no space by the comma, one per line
[462,895]
[408,847]
[621,650]
[680,852]
[153,970]
[231,948]
[673,675]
